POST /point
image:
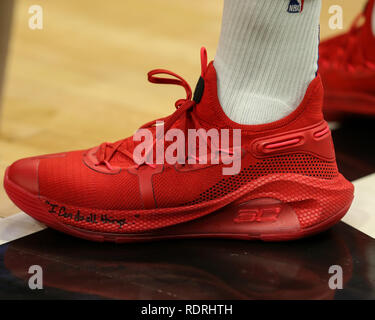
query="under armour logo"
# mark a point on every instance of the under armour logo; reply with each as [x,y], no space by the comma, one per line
[295,6]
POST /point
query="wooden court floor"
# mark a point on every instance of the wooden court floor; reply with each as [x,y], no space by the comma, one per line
[82,79]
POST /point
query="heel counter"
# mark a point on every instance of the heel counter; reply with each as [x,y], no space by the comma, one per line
[315,142]
[322,143]
[324,147]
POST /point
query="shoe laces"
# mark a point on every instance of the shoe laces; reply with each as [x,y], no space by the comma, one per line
[106,151]
[345,50]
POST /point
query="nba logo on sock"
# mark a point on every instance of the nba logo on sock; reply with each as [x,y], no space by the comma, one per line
[295,6]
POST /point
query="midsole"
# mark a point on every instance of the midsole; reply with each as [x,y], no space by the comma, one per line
[221,224]
[311,199]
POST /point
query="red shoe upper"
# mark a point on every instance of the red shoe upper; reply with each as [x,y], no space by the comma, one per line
[107,178]
[347,61]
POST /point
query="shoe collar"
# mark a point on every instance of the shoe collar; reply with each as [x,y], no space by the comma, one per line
[210,112]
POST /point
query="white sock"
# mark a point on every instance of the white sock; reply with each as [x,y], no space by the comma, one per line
[266,57]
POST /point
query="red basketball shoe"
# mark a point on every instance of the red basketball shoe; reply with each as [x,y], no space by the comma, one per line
[287,187]
[347,68]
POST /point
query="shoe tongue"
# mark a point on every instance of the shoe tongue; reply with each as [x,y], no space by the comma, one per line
[208,107]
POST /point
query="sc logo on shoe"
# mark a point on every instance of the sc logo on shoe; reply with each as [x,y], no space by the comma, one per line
[246,215]
[295,6]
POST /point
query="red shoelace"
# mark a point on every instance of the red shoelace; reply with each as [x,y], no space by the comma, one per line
[106,150]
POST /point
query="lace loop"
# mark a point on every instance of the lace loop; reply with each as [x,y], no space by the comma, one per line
[152,77]
[203,61]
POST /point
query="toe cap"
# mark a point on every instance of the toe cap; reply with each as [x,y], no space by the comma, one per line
[24,173]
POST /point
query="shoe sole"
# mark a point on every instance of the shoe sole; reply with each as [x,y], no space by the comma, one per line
[264,215]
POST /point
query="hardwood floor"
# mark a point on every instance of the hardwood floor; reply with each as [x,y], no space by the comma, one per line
[82,79]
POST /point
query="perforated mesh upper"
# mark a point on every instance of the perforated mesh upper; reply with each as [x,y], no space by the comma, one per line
[300,163]
[68,180]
